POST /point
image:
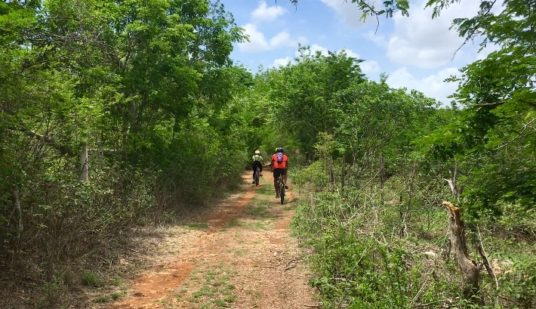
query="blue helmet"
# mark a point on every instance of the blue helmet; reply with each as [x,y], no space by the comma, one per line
[280,149]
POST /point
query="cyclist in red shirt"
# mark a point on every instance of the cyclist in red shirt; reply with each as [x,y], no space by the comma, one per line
[279,167]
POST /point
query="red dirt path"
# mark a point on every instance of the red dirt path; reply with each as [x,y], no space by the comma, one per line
[248,237]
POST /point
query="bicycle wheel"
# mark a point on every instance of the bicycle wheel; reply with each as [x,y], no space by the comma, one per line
[282,192]
[257,176]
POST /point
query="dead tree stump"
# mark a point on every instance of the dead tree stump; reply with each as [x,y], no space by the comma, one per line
[469,268]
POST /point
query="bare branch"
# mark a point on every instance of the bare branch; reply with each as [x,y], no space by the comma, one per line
[483,255]
[63,149]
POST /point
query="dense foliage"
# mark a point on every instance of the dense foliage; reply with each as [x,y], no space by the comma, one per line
[113,112]
[374,217]
[372,206]
[108,109]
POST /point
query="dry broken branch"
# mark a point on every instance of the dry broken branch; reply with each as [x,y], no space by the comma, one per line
[470,270]
[485,261]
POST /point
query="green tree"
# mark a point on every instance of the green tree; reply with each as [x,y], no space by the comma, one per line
[303,93]
[144,89]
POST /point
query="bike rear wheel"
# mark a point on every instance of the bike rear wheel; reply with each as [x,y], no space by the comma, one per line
[282,191]
[256,177]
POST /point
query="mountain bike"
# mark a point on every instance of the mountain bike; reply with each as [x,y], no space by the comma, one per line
[281,188]
[256,175]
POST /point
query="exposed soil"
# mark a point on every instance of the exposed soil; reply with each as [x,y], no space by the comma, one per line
[242,257]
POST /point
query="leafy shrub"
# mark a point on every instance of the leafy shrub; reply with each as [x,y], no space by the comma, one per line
[92,279]
[518,219]
[361,261]
[352,269]
[51,294]
[360,272]
[314,175]
[518,286]
[198,161]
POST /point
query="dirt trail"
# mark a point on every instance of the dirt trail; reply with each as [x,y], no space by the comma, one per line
[244,257]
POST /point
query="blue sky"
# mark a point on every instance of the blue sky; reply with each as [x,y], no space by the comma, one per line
[416,52]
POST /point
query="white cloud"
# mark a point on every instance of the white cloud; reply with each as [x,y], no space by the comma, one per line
[347,10]
[318,48]
[487,50]
[433,85]
[258,41]
[303,40]
[281,62]
[313,49]
[266,13]
[376,38]
[370,67]
[425,42]
[282,39]
[350,53]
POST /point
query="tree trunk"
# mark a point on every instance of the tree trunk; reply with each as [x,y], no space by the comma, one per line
[382,179]
[343,174]
[403,226]
[18,209]
[331,172]
[84,163]
[470,270]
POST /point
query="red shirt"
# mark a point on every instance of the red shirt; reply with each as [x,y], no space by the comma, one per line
[283,164]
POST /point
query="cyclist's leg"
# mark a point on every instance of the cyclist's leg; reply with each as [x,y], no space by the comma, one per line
[285,177]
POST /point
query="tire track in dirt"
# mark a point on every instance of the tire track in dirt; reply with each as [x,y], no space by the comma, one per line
[252,253]
[156,284]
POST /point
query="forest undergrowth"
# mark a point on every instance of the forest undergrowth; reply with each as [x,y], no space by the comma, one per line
[394,254]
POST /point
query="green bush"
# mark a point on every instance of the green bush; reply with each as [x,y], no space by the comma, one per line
[518,219]
[92,279]
[361,260]
[360,272]
[51,294]
[518,286]
[351,269]
[313,175]
[199,161]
